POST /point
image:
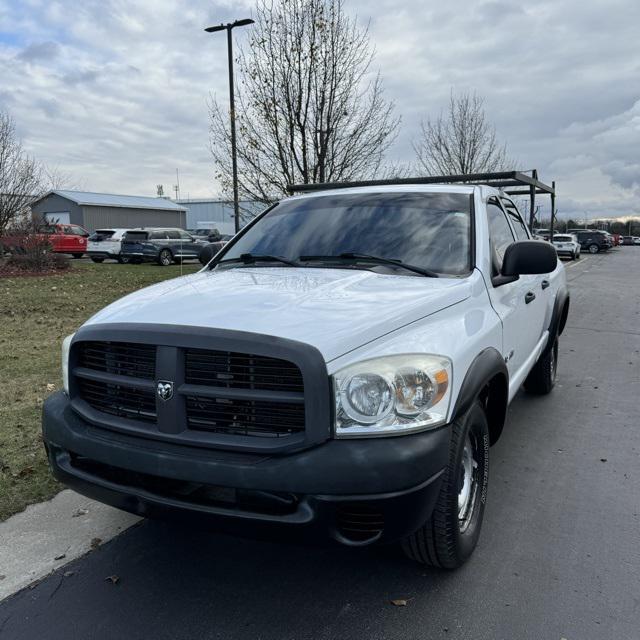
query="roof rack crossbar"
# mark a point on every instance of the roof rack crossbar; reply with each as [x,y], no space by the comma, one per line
[496,179]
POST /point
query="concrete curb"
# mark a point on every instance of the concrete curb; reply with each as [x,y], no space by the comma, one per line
[45,536]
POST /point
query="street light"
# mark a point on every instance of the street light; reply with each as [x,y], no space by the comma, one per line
[232,111]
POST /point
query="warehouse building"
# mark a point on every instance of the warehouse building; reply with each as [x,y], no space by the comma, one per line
[104,210]
[207,213]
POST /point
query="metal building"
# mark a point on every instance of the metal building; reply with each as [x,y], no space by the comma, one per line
[103,210]
[206,213]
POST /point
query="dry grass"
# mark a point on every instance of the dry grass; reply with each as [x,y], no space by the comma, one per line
[36,313]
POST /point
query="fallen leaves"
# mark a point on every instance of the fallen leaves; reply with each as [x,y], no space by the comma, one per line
[399,603]
[113,579]
[80,512]
[95,543]
[62,556]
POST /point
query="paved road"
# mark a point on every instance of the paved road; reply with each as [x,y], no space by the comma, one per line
[559,555]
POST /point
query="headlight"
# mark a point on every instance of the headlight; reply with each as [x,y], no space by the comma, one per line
[392,395]
[66,345]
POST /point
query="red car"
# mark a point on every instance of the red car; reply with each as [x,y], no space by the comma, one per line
[63,238]
[66,238]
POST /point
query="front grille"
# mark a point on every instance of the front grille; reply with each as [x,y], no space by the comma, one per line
[119,400]
[241,371]
[119,358]
[246,418]
[216,393]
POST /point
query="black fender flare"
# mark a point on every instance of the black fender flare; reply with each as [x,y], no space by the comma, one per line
[488,379]
[558,318]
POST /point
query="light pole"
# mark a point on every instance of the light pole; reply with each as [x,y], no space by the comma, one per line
[232,111]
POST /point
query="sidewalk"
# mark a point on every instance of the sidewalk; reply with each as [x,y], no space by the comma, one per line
[46,536]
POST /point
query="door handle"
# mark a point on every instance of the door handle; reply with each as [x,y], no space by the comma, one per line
[530,297]
[545,284]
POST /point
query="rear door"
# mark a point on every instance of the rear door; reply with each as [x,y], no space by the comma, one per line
[520,304]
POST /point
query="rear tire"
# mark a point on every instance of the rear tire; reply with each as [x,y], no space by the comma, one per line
[451,533]
[124,259]
[542,377]
[97,260]
[594,248]
[77,256]
[165,258]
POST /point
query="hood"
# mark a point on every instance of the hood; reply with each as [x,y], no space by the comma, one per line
[335,310]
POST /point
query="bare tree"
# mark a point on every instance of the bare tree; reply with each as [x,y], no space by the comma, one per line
[53,177]
[461,140]
[20,175]
[307,108]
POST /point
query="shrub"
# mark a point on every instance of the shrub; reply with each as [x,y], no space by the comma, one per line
[31,251]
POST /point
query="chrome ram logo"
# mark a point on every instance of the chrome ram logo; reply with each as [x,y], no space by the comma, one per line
[164,389]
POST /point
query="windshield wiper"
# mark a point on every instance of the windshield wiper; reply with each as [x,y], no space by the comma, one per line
[369,258]
[250,258]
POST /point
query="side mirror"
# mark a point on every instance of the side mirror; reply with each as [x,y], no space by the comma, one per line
[206,253]
[527,257]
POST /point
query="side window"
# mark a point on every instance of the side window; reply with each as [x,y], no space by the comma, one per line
[185,236]
[78,231]
[500,234]
[516,221]
[173,235]
[157,235]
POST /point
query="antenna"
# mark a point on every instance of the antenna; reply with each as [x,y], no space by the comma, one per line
[176,186]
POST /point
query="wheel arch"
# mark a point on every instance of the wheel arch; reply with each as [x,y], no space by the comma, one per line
[487,380]
[558,317]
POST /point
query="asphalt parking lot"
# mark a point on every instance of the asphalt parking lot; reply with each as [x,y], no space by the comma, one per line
[559,555]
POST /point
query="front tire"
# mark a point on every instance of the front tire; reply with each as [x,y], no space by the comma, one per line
[165,258]
[124,259]
[77,256]
[594,248]
[542,377]
[451,533]
[97,260]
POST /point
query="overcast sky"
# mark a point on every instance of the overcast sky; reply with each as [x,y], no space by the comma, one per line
[114,92]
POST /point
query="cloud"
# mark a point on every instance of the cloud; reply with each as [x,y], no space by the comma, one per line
[42,51]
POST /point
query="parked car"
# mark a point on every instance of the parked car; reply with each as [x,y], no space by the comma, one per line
[205,235]
[543,234]
[163,246]
[63,238]
[636,240]
[106,244]
[220,243]
[592,241]
[347,382]
[567,245]
[627,240]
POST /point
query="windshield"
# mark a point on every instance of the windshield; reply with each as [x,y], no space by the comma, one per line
[563,238]
[429,230]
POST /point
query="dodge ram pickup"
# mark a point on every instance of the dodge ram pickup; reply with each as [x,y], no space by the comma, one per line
[339,369]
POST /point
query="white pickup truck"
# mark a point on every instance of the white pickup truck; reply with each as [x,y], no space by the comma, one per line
[340,368]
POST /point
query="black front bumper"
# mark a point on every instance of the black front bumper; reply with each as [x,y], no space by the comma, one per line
[356,491]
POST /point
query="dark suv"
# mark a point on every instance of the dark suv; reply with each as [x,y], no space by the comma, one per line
[593,241]
[163,246]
